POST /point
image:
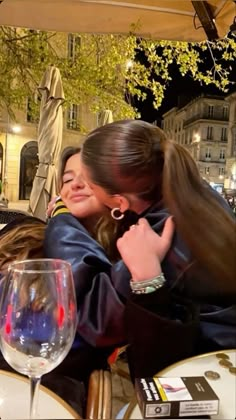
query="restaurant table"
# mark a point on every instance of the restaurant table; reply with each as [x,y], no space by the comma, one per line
[224,387]
[15,400]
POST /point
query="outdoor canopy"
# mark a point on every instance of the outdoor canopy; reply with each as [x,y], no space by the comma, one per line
[157,19]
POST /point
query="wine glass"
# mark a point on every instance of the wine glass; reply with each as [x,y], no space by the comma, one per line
[38,318]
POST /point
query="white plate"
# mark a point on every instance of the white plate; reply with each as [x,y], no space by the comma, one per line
[225,387]
[15,400]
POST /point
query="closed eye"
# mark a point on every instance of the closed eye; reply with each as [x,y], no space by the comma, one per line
[66,181]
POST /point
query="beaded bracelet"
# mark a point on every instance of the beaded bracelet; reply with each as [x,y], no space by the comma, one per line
[147,286]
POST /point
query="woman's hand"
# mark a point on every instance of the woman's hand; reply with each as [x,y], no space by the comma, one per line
[143,250]
[51,206]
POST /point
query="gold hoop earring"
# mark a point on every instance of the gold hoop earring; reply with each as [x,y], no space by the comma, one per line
[116,210]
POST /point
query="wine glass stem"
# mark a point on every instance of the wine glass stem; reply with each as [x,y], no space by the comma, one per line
[34,390]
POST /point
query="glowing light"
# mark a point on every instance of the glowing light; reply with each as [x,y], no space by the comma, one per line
[129,64]
[16,129]
[197,138]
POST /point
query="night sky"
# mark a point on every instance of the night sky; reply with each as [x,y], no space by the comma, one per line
[180,90]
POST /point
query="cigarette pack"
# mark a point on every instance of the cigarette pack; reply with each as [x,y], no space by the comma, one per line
[176,397]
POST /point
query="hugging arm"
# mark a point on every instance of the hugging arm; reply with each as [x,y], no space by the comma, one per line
[101,288]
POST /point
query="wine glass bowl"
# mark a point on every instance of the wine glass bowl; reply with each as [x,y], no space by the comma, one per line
[38,317]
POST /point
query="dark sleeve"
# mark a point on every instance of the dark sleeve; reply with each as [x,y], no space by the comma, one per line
[159,332]
[101,288]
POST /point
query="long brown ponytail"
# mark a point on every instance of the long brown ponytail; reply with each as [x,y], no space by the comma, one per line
[203,223]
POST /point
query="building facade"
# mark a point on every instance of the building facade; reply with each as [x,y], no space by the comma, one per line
[19,147]
[203,127]
[230,172]
[18,141]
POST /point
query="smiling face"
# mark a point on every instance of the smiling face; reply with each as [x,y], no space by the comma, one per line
[76,194]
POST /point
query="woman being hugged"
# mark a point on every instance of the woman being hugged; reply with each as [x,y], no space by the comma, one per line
[24,237]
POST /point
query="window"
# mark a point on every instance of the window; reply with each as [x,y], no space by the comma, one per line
[225,112]
[224,134]
[207,171]
[72,117]
[74,42]
[191,137]
[209,133]
[221,171]
[208,153]
[28,167]
[210,111]
[222,153]
[32,112]
[234,144]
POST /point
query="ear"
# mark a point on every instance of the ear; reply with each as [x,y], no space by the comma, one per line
[122,202]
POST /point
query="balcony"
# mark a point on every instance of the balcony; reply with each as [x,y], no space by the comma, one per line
[217,116]
[213,140]
[211,161]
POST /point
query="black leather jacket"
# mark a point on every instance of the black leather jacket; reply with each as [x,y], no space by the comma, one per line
[103,289]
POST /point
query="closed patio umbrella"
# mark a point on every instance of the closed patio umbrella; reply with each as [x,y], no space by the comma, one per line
[105,117]
[49,142]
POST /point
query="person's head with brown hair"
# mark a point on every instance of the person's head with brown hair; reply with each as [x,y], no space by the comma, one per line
[82,203]
[132,165]
[24,238]
[21,239]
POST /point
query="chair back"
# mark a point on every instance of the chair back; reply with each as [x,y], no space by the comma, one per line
[99,395]
[8,215]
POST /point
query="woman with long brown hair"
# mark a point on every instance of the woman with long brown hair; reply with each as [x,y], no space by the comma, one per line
[23,239]
[131,166]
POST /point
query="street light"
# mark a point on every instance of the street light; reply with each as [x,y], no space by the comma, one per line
[197,138]
[16,129]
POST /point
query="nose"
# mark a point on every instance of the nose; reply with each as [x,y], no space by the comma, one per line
[78,183]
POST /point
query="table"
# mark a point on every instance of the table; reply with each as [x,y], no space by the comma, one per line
[225,387]
[15,400]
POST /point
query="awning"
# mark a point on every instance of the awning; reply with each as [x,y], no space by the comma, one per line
[171,20]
